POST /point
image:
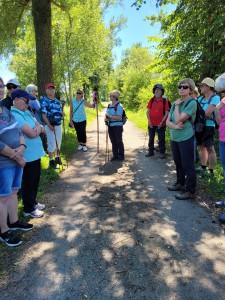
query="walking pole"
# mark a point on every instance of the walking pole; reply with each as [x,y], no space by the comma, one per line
[95,104]
[63,102]
[107,142]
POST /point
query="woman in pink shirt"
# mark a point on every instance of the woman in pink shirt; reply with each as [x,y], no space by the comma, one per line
[220,119]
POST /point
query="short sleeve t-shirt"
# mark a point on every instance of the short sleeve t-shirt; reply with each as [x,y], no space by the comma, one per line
[157,110]
[187,131]
[34,148]
[222,124]
[215,100]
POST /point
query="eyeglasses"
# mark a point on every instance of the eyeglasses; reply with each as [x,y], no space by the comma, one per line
[25,100]
[79,93]
[11,86]
[184,87]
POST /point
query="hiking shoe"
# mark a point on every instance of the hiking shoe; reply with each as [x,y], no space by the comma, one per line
[20,225]
[176,187]
[222,218]
[113,158]
[220,204]
[58,160]
[80,147]
[206,174]
[52,164]
[85,149]
[184,195]
[10,239]
[34,214]
[149,154]
[40,206]
[162,155]
[200,169]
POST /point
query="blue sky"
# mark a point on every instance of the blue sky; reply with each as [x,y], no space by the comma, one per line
[136,30]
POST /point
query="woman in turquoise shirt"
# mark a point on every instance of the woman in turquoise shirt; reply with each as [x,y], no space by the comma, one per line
[78,118]
[33,153]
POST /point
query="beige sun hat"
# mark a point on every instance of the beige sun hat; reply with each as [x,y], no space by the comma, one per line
[115,93]
[208,81]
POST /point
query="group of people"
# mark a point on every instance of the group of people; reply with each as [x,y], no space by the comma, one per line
[180,120]
[23,120]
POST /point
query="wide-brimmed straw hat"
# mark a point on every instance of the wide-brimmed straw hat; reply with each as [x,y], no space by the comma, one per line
[208,81]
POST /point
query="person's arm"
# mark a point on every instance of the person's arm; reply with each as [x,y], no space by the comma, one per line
[32,132]
[88,104]
[113,117]
[44,116]
[148,117]
[71,114]
[179,117]
[172,125]
[164,118]
[209,111]
[217,112]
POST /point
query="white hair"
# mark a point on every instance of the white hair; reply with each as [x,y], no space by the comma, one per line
[30,88]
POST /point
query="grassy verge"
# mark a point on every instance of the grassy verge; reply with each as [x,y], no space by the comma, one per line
[213,186]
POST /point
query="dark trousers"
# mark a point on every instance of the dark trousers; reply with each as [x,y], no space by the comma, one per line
[30,182]
[116,138]
[183,155]
[161,136]
[80,128]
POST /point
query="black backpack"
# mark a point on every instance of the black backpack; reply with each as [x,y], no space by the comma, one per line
[164,104]
[124,116]
[200,119]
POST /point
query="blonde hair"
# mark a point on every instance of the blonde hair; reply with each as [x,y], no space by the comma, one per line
[190,82]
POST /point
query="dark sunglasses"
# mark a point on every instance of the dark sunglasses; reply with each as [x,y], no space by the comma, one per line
[222,92]
[184,87]
[11,86]
[79,93]
[25,100]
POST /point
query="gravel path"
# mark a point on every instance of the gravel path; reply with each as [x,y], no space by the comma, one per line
[113,231]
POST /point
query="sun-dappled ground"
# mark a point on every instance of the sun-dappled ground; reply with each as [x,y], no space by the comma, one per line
[113,231]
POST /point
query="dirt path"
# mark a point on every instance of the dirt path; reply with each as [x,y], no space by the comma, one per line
[113,231]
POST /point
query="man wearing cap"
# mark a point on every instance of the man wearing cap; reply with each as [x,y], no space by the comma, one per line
[208,102]
[52,116]
[113,119]
[11,85]
[157,112]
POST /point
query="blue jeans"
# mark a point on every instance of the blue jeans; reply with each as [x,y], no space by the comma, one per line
[11,178]
[183,156]
[222,157]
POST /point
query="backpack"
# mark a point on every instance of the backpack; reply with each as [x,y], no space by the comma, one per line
[164,104]
[124,116]
[55,117]
[200,119]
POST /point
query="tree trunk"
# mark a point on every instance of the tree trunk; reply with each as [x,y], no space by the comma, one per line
[41,10]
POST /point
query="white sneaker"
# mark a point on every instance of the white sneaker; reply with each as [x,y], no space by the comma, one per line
[40,206]
[85,149]
[80,147]
[34,214]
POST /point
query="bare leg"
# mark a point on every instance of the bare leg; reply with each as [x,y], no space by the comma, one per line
[203,155]
[3,214]
[12,207]
[212,157]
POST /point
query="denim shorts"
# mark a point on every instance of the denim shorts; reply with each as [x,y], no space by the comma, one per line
[11,178]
